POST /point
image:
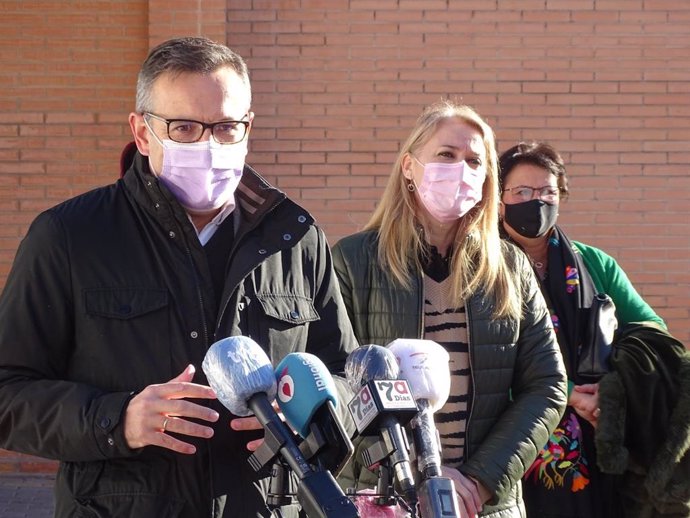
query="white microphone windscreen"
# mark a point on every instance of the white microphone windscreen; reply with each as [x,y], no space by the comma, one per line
[425,366]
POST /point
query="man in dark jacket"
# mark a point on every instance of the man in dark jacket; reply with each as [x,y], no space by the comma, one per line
[116,295]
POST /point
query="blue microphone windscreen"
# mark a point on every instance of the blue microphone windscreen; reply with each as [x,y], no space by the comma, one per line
[304,384]
[237,368]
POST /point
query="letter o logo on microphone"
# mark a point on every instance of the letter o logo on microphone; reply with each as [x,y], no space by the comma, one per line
[286,388]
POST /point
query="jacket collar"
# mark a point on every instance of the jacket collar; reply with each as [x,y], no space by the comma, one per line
[255,197]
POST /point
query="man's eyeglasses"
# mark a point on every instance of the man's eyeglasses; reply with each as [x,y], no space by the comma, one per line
[525,193]
[187,131]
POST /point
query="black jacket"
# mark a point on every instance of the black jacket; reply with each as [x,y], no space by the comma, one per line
[518,377]
[644,427]
[111,291]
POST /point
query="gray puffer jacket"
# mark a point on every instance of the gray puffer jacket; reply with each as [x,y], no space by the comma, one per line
[519,382]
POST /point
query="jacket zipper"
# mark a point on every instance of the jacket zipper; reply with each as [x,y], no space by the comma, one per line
[235,246]
[420,301]
[200,298]
[197,287]
[465,454]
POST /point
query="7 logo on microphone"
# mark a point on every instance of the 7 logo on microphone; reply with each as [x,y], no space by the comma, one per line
[380,397]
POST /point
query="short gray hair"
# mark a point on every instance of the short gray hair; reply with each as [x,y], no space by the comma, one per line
[181,55]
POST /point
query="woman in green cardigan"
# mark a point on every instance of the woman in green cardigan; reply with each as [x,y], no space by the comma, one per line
[564,481]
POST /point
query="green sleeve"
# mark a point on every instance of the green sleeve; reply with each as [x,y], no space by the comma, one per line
[610,278]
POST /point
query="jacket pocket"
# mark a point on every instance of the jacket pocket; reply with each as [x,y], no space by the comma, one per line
[291,309]
[284,324]
[129,330]
[126,488]
[123,303]
[135,505]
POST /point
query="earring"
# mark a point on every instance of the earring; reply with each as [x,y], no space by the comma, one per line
[410,187]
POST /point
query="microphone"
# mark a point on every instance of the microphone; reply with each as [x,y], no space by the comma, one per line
[307,396]
[382,405]
[424,364]
[240,373]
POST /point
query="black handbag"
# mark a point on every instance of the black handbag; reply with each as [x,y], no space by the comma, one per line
[593,360]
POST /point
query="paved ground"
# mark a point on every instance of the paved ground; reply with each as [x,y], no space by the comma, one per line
[26,496]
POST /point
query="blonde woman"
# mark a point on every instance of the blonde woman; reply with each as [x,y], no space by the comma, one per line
[430,264]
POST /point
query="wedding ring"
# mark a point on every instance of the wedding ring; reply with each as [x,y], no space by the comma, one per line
[165,424]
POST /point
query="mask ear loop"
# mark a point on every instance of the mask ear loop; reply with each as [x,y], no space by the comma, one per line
[153,133]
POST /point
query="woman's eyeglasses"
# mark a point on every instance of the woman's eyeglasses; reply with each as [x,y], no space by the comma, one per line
[526,193]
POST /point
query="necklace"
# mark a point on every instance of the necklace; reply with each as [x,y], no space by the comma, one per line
[541,271]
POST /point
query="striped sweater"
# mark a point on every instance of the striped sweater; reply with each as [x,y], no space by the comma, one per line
[447,325]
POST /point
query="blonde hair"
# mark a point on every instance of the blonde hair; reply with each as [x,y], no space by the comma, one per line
[477,261]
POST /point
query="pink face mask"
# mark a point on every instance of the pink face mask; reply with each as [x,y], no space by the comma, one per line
[203,176]
[449,191]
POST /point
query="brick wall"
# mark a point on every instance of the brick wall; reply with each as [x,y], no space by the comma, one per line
[337,86]
[13,463]
[66,86]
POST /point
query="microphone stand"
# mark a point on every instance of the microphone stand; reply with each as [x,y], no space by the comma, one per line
[317,491]
[378,454]
[279,487]
[327,445]
[437,496]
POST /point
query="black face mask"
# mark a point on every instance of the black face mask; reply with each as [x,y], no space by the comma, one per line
[532,218]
